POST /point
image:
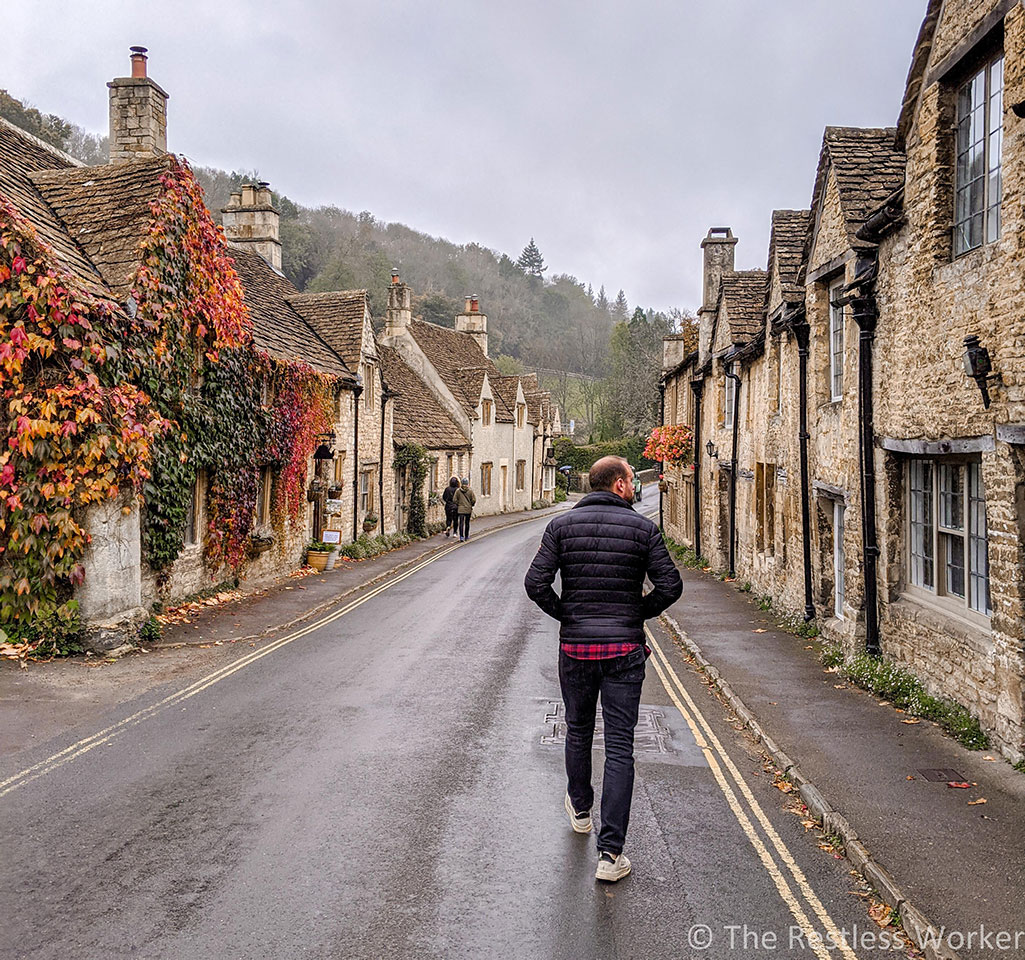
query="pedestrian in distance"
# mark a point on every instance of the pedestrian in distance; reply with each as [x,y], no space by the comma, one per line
[603,551]
[465,500]
[451,515]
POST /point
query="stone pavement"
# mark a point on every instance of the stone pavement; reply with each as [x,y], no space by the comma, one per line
[959,864]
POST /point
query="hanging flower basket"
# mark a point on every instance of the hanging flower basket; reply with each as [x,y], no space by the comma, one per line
[672,444]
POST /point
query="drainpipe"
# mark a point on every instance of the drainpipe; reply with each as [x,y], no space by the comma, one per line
[697,386]
[802,332]
[661,464]
[733,472]
[380,473]
[357,392]
[865,314]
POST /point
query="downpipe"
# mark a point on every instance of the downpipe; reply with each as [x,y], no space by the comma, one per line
[802,333]
[697,386]
[733,473]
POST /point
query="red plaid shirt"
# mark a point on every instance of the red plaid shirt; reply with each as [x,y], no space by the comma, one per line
[598,651]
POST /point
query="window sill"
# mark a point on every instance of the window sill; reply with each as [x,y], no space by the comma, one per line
[941,613]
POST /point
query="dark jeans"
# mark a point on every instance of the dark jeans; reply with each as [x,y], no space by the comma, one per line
[464,525]
[450,518]
[618,681]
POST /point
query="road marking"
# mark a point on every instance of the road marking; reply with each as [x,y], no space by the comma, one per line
[713,749]
[104,736]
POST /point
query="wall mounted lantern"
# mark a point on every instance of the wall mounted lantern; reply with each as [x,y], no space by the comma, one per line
[712,450]
[979,367]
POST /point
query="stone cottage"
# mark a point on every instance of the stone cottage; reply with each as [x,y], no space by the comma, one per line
[491,411]
[877,485]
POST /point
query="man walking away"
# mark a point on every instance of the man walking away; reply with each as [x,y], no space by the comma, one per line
[603,550]
[448,498]
[464,500]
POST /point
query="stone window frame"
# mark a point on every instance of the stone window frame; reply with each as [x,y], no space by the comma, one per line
[765,508]
[521,474]
[521,415]
[965,523]
[367,487]
[486,475]
[193,533]
[485,412]
[839,559]
[987,212]
[836,332]
[369,385]
[729,397]
[264,486]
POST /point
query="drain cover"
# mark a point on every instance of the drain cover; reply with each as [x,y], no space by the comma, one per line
[941,775]
[651,735]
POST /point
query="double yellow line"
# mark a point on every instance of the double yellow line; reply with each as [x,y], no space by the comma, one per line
[779,863]
[104,736]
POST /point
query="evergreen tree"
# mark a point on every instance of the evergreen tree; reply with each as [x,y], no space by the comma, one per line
[531,262]
[620,309]
[602,303]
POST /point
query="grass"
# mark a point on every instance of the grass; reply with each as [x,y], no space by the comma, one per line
[905,691]
[685,555]
[1020,765]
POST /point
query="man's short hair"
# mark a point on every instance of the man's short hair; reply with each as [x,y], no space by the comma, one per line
[607,471]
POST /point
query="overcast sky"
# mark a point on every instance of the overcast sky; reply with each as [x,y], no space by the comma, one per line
[614,131]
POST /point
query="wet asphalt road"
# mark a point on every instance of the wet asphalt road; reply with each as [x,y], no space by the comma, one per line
[390,785]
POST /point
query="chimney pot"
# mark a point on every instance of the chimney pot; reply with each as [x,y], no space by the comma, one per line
[138,63]
[394,274]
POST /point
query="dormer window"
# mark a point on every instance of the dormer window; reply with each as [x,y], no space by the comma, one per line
[521,414]
[485,413]
[980,131]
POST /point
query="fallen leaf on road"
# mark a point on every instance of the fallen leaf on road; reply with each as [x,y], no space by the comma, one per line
[773,703]
[809,824]
[909,777]
[881,913]
[839,686]
[761,630]
[975,803]
[990,759]
[958,785]
[915,720]
[784,786]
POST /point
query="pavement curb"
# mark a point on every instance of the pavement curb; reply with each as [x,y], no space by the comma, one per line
[925,934]
[379,578]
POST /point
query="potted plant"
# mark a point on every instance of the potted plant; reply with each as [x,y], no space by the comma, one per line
[317,554]
[369,522]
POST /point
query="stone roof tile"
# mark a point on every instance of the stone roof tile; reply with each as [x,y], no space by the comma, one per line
[786,247]
[743,292]
[338,317]
[277,328]
[106,211]
[458,358]
[417,415]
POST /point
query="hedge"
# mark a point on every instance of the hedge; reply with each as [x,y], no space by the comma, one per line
[581,458]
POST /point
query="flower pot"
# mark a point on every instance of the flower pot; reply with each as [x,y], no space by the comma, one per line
[368,527]
[317,559]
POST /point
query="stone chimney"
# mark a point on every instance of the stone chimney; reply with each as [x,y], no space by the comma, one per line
[138,114]
[718,247]
[473,322]
[674,349]
[400,311]
[251,223]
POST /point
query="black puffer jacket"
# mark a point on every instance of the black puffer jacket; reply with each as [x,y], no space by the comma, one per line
[603,549]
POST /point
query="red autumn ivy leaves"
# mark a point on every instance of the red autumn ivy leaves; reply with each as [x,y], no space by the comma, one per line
[90,391]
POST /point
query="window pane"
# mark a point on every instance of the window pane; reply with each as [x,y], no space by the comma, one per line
[978,542]
[953,558]
[952,496]
[920,514]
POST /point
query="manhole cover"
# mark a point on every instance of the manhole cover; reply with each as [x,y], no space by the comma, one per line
[941,775]
[651,736]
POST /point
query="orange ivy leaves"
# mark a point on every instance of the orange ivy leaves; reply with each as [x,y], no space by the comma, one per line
[72,437]
[187,282]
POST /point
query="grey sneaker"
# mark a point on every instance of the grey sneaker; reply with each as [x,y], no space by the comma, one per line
[580,822]
[611,868]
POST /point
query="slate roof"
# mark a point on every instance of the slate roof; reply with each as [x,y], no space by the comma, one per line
[743,293]
[868,169]
[338,318]
[786,246]
[106,211]
[458,358]
[504,390]
[21,157]
[277,327]
[418,416]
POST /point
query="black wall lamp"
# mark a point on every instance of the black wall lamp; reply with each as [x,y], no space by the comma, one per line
[979,367]
[712,449]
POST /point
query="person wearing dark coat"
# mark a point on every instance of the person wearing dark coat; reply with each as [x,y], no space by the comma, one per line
[603,550]
[448,498]
[465,500]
